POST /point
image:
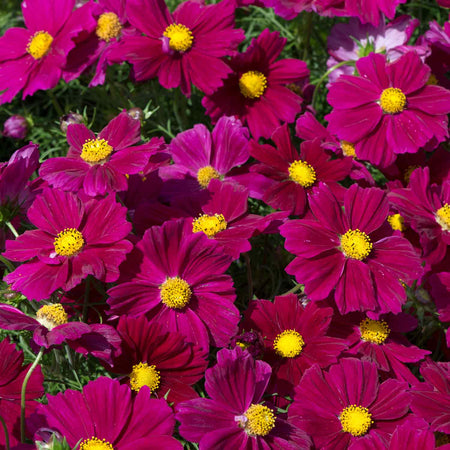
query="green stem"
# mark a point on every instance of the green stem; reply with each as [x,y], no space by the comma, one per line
[13,230]
[325,76]
[55,103]
[7,263]
[23,394]
[294,289]
[6,433]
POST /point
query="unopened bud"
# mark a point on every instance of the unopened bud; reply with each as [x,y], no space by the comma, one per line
[69,119]
[136,113]
[16,127]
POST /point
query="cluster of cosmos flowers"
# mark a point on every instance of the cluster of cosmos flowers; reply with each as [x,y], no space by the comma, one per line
[148,231]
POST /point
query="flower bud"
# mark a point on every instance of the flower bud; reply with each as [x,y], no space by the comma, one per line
[16,127]
[136,113]
[69,119]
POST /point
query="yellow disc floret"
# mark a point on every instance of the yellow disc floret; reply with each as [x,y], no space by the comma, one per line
[356,420]
[144,375]
[252,84]
[50,316]
[375,331]
[206,174]
[39,45]
[175,293]
[289,344]
[356,244]
[392,101]
[95,150]
[68,242]
[443,217]
[260,420]
[180,37]
[348,149]
[95,444]
[108,26]
[397,222]
[302,173]
[210,225]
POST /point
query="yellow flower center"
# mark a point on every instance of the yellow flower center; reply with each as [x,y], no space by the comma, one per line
[375,331]
[95,150]
[260,420]
[180,37]
[243,345]
[348,149]
[409,170]
[443,217]
[68,242]
[356,420]
[206,174]
[392,101]
[144,375]
[95,444]
[39,45]
[397,222]
[289,344]
[175,293]
[210,225]
[302,173]
[356,244]
[108,26]
[50,316]
[252,84]
[432,80]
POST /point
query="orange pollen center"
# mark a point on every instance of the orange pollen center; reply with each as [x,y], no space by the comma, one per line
[108,26]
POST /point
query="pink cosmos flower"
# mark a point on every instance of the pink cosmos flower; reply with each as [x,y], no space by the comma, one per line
[236,415]
[295,338]
[180,48]
[388,109]
[33,58]
[294,173]
[348,251]
[154,357]
[74,239]
[105,415]
[178,279]
[100,164]
[347,407]
[256,91]
[12,373]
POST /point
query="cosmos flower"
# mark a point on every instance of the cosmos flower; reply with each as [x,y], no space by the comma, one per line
[389,108]
[178,279]
[74,239]
[295,338]
[33,58]
[294,173]
[100,164]
[106,416]
[12,373]
[256,91]
[180,48]
[347,250]
[347,406]
[162,360]
[236,416]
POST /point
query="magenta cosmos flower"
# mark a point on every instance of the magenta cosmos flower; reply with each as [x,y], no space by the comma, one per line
[183,48]
[32,58]
[160,359]
[51,327]
[294,173]
[204,155]
[256,91]
[12,373]
[178,279]
[74,239]
[388,109]
[236,416]
[426,207]
[343,250]
[347,407]
[100,164]
[431,399]
[295,338]
[105,416]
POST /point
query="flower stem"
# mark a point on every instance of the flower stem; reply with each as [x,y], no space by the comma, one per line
[7,263]
[13,230]
[6,433]
[23,394]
